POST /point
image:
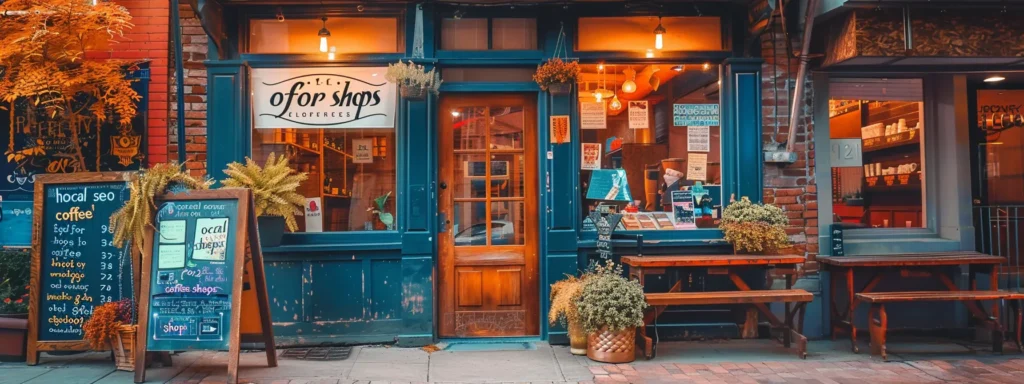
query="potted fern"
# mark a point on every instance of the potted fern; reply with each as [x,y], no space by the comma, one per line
[610,309]
[413,80]
[129,224]
[273,187]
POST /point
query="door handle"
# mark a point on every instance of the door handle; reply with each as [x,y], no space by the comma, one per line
[444,185]
[443,222]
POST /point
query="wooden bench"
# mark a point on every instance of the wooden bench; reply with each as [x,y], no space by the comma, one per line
[879,321]
[758,298]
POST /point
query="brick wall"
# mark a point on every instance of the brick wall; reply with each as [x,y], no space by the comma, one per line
[194,50]
[792,186]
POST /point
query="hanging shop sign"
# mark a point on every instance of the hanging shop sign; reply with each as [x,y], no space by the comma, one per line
[338,97]
[75,265]
[685,115]
[203,285]
[592,115]
[638,114]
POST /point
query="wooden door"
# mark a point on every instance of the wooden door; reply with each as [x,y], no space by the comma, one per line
[487,242]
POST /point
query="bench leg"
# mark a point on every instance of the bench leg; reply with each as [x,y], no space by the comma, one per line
[801,340]
[1018,315]
[878,328]
[750,323]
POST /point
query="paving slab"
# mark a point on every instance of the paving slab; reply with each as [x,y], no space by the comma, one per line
[495,366]
[404,372]
[390,355]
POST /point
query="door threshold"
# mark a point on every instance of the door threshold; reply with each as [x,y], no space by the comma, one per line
[489,344]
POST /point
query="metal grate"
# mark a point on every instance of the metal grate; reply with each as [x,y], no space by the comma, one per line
[317,353]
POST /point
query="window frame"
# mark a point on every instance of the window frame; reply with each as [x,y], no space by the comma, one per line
[308,12]
[517,54]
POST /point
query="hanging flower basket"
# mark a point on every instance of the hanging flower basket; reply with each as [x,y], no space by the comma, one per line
[560,88]
[412,92]
[413,80]
[123,346]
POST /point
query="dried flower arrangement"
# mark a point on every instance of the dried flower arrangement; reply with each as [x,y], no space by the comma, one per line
[414,76]
[556,71]
[273,187]
[106,321]
[754,227]
[130,222]
[565,294]
[610,300]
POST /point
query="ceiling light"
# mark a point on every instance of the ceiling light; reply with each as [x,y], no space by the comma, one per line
[629,86]
[458,14]
[678,68]
[330,55]
[600,67]
[659,32]
[650,53]
[455,113]
[994,79]
[324,34]
[615,105]
[706,66]
[598,96]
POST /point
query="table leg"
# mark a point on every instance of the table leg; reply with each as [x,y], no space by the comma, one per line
[1018,314]
[852,306]
[786,337]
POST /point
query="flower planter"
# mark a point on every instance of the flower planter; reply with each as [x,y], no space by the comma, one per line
[123,347]
[577,339]
[271,230]
[13,335]
[560,88]
[412,92]
[612,347]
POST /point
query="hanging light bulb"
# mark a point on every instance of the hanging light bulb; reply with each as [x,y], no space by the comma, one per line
[629,86]
[324,34]
[601,93]
[659,33]
[598,96]
[330,55]
[615,105]
[650,53]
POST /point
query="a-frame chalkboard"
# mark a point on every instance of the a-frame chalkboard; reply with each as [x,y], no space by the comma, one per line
[75,265]
[201,270]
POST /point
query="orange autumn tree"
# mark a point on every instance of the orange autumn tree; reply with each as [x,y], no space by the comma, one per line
[43,48]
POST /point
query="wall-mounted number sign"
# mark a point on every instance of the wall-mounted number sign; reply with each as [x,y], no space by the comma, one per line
[846,153]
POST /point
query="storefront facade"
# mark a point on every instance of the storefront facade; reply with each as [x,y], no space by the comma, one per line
[489,202]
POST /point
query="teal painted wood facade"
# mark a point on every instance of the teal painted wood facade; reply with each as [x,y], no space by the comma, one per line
[362,287]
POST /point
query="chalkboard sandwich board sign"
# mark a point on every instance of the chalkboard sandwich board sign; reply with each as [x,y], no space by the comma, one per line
[202,270]
[75,266]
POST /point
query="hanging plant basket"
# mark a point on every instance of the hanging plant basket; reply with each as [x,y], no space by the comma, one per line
[560,88]
[411,92]
[123,347]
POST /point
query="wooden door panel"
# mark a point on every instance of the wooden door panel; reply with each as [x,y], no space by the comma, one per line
[487,248]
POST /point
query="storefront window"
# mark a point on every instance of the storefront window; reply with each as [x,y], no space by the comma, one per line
[634,34]
[349,35]
[651,145]
[1000,119]
[877,144]
[481,34]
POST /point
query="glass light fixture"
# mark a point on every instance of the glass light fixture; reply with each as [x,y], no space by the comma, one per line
[994,79]
[629,86]
[659,33]
[330,55]
[598,96]
[650,53]
[324,34]
[615,105]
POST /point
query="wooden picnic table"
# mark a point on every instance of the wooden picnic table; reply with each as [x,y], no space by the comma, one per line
[730,265]
[909,265]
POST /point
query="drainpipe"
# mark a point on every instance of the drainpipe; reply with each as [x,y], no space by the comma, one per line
[179,72]
[801,73]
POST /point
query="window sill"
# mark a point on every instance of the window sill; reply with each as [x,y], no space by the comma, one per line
[338,241]
[903,245]
[661,239]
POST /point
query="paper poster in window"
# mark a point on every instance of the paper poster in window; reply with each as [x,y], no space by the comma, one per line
[682,209]
[591,156]
[559,129]
[593,115]
[698,139]
[697,166]
[210,239]
[638,114]
[362,151]
[314,215]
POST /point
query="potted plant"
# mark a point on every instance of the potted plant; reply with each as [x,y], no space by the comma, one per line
[557,76]
[565,294]
[112,325]
[129,224]
[384,220]
[610,309]
[14,286]
[413,80]
[754,227]
[273,187]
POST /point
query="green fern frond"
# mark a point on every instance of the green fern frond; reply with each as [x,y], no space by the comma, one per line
[273,186]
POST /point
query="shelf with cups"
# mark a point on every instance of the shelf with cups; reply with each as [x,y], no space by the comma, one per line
[899,181]
[906,138]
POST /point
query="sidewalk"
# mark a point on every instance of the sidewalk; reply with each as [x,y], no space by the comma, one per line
[732,361]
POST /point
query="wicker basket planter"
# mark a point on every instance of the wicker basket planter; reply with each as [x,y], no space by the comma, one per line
[560,88]
[123,347]
[412,92]
[612,347]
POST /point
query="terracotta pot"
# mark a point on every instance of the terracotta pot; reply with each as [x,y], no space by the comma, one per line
[577,339]
[560,88]
[13,334]
[612,347]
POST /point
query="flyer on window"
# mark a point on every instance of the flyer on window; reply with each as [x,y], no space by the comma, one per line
[698,139]
[697,166]
[362,151]
[682,209]
[591,156]
[638,114]
[559,129]
[592,115]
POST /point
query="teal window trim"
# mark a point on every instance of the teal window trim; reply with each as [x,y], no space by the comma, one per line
[674,57]
[491,87]
[263,60]
[470,56]
[325,241]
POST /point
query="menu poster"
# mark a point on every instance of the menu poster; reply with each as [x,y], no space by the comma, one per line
[638,114]
[593,115]
[591,156]
[682,208]
[697,166]
[605,225]
[192,279]
[559,129]
[836,237]
[698,139]
[75,265]
[362,151]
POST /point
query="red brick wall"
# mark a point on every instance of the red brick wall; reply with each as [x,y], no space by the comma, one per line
[194,50]
[791,186]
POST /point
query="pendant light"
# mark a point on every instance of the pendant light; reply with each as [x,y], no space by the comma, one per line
[330,55]
[324,34]
[659,33]
[629,86]
[615,105]
[601,92]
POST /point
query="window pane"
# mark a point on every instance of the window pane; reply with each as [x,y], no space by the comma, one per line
[470,127]
[507,175]
[507,223]
[636,33]
[657,157]
[348,35]
[877,146]
[342,190]
[464,34]
[470,223]
[507,128]
[1002,148]
[470,176]
[514,34]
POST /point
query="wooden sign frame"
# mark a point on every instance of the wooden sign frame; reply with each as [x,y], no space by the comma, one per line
[244,237]
[35,346]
